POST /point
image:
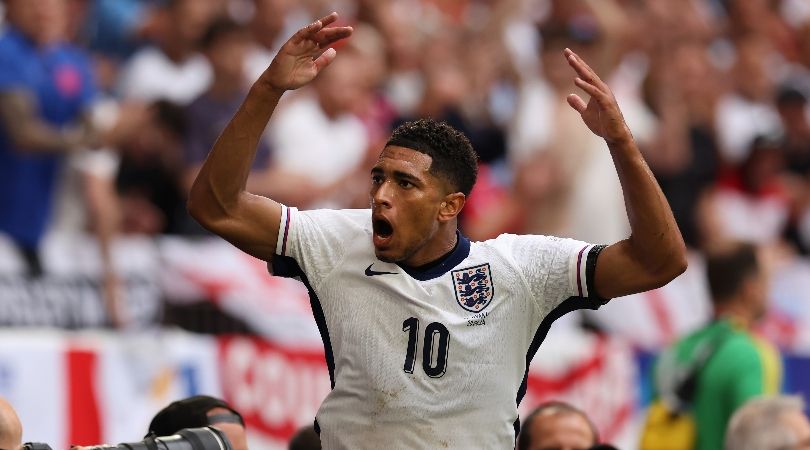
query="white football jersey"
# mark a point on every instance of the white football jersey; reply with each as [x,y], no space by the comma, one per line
[436,358]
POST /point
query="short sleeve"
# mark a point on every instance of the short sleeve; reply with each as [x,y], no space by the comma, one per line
[317,240]
[557,269]
[11,77]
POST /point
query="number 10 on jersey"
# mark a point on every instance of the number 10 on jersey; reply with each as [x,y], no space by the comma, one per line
[434,351]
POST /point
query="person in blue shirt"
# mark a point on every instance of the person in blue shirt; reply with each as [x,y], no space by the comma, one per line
[46,88]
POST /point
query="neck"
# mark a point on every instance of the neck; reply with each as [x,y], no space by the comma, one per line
[176,51]
[442,244]
[735,313]
[224,88]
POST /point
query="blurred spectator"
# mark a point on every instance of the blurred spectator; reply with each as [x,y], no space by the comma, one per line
[452,93]
[272,21]
[172,69]
[373,108]
[115,27]
[716,369]
[10,427]
[225,44]
[751,202]
[550,154]
[317,134]
[557,425]
[149,177]
[46,88]
[769,423]
[683,153]
[748,110]
[201,411]
[49,107]
[792,105]
[306,439]
[404,35]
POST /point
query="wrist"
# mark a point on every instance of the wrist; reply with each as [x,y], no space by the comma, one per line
[267,86]
[624,138]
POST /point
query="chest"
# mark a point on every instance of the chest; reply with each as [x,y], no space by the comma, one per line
[58,82]
[478,314]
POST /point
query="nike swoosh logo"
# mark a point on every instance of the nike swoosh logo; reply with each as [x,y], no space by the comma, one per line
[371,273]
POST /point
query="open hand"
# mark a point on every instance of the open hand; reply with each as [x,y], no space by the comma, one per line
[601,114]
[305,54]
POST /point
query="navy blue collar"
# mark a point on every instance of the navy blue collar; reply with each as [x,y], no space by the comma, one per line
[443,264]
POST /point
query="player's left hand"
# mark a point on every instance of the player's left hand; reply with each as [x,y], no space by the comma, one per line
[601,114]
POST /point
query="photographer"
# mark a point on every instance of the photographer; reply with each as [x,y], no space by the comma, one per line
[201,411]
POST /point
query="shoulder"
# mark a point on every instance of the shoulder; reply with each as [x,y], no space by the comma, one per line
[740,350]
[11,38]
[12,50]
[144,59]
[336,219]
[524,242]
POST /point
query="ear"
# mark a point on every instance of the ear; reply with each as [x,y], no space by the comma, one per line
[451,206]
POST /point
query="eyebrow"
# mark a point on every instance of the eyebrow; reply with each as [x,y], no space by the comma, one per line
[398,174]
[406,176]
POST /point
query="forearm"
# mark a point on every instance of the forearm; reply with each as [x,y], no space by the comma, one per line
[29,133]
[104,214]
[655,239]
[223,176]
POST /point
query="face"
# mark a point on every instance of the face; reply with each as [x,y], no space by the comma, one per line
[561,432]
[406,202]
[339,87]
[228,54]
[44,21]
[190,18]
[234,431]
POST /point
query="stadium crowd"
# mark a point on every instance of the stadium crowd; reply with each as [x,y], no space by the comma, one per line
[715,92]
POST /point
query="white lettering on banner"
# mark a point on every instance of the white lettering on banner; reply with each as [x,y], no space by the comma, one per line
[71,301]
[277,389]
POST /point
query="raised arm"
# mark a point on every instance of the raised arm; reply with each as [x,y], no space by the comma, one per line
[654,253]
[218,198]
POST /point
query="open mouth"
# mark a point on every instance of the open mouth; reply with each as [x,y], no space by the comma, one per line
[383,230]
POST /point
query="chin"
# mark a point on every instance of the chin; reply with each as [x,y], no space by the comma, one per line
[385,256]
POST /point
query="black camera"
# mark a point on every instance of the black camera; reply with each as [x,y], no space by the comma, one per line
[207,438]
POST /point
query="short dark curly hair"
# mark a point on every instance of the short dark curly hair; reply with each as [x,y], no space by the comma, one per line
[453,156]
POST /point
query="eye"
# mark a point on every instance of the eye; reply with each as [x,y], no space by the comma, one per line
[376,179]
[405,184]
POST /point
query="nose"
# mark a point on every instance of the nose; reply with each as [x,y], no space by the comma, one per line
[381,194]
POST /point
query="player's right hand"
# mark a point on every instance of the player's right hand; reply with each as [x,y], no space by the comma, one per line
[305,54]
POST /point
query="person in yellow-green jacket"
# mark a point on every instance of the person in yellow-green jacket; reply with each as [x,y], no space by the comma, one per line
[714,370]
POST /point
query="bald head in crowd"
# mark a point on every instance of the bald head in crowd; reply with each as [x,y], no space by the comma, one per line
[10,427]
[558,426]
[769,423]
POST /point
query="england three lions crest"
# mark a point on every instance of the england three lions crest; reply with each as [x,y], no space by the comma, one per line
[473,287]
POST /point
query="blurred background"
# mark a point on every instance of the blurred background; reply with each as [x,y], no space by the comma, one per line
[114,302]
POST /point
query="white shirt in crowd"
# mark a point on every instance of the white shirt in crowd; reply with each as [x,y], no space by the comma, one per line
[151,75]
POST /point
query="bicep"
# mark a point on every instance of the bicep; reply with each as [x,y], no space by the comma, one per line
[251,225]
[620,272]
